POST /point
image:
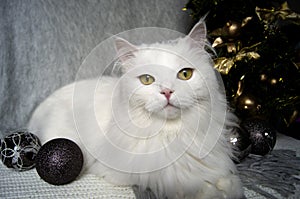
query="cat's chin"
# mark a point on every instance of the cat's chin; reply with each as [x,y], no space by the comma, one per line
[170,112]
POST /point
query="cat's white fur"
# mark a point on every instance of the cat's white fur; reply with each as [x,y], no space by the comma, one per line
[130,136]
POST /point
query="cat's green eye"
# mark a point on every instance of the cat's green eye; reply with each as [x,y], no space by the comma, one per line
[185,74]
[146,79]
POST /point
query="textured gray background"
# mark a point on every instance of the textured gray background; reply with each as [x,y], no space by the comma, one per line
[43,43]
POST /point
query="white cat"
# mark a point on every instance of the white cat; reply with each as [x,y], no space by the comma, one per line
[162,124]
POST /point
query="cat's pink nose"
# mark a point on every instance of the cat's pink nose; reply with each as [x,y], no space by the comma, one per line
[167,92]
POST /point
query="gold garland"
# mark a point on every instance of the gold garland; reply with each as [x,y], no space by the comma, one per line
[283,12]
[224,64]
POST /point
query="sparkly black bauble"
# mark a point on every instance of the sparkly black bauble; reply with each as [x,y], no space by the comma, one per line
[19,150]
[59,161]
[262,135]
[241,144]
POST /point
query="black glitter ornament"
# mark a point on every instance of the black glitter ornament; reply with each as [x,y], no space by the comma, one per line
[59,161]
[241,144]
[19,150]
[262,135]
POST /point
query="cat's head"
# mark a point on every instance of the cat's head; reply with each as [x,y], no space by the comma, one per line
[167,79]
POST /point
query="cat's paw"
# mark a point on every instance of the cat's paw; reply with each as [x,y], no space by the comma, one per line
[231,187]
[208,191]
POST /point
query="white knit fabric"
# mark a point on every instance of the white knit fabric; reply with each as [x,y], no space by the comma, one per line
[28,184]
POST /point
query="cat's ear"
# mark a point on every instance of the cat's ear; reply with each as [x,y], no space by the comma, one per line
[125,50]
[198,33]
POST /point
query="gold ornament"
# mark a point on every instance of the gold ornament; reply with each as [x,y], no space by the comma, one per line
[231,29]
[248,103]
[263,77]
[245,101]
[273,81]
[231,48]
